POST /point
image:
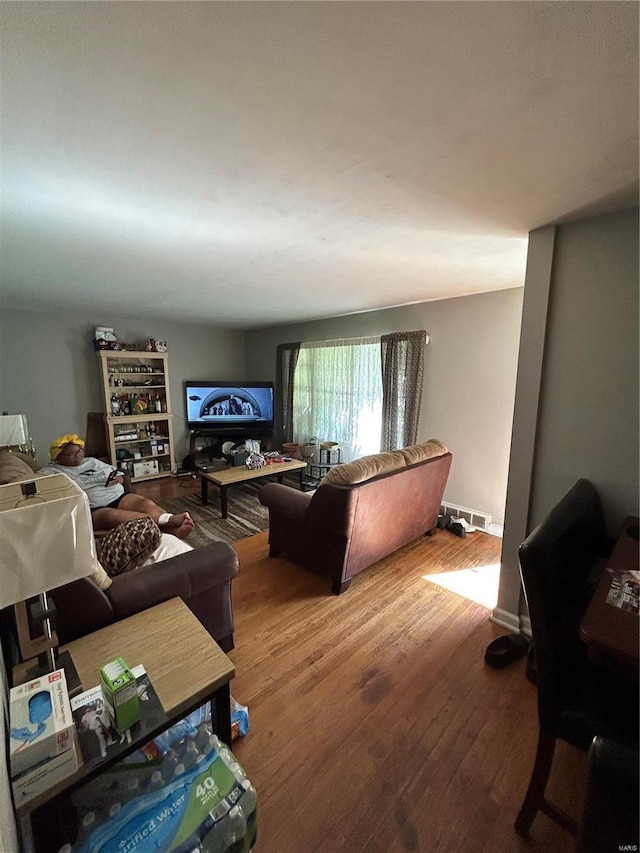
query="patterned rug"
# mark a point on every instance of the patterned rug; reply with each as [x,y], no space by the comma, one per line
[246,515]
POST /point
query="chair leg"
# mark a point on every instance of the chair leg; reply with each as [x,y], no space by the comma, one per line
[538,783]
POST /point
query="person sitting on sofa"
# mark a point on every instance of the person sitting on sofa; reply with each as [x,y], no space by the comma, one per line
[110,506]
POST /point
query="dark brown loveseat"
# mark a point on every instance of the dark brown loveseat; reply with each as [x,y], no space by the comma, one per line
[201,577]
[360,512]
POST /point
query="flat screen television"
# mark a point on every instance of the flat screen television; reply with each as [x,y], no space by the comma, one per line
[229,408]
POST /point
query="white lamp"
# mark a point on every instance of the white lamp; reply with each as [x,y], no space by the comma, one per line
[15,433]
[46,541]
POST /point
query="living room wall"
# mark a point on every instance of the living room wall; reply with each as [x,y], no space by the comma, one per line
[48,367]
[578,417]
[469,385]
[48,371]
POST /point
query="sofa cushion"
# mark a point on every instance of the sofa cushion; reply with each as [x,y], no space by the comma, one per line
[128,545]
[360,470]
[426,450]
[16,466]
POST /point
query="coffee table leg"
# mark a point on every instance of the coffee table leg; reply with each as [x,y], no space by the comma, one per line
[279,478]
[223,501]
[204,490]
[221,712]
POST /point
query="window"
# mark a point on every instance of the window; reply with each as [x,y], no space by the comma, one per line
[337,394]
[364,393]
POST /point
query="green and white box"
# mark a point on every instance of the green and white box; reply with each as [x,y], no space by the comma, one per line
[120,693]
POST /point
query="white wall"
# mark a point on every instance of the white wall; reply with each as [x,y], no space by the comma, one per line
[48,367]
[470,371]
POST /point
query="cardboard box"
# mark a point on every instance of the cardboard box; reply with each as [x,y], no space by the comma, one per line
[120,693]
[43,776]
[41,725]
[145,468]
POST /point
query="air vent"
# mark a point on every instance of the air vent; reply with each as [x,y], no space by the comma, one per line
[479,520]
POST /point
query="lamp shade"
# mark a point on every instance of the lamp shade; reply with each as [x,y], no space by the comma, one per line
[13,430]
[46,537]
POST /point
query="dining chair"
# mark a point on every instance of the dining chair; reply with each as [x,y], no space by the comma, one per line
[576,701]
[610,813]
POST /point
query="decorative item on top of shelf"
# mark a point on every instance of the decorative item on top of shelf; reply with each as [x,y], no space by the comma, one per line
[104,338]
[130,347]
[150,345]
[161,346]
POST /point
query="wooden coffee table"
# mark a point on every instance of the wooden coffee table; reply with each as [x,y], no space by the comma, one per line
[234,476]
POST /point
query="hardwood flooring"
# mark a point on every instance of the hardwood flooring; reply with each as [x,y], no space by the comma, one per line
[375,724]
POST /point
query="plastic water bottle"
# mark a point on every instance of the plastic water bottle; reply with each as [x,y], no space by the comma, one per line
[169,764]
[156,781]
[133,789]
[248,803]
[225,832]
[227,756]
[87,826]
[190,755]
[202,738]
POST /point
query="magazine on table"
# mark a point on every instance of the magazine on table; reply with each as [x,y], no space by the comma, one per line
[98,738]
[624,591]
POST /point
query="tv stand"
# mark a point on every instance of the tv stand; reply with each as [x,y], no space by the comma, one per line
[215,440]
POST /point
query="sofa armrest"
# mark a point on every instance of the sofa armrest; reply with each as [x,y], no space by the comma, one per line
[187,575]
[81,608]
[285,500]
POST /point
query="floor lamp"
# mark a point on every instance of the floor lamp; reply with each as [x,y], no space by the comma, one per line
[46,541]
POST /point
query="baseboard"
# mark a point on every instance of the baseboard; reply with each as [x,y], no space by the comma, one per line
[506,619]
[525,626]
[496,530]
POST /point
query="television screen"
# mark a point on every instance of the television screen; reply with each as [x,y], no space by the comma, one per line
[229,406]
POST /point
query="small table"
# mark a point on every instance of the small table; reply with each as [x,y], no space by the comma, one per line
[184,663]
[227,477]
[611,633]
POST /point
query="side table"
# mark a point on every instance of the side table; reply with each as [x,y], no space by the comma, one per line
[185,665]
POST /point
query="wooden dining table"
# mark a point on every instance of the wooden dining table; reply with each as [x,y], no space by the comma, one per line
[610,631]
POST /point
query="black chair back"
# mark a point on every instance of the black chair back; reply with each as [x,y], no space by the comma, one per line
[555,561]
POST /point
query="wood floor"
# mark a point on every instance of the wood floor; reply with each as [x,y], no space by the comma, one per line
[375,724]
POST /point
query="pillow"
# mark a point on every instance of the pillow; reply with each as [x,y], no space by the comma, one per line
[426,450]
[351,473]
[170,546]
[16,466]
[126,546]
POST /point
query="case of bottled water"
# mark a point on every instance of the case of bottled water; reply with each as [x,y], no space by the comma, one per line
[196,799]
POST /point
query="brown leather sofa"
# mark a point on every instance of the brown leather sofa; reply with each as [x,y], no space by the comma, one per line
[360,512]
[202,578]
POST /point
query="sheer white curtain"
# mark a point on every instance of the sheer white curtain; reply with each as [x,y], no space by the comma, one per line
[337,394]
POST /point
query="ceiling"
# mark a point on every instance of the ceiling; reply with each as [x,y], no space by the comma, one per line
[247,164]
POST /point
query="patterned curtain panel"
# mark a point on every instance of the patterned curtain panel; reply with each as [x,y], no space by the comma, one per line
[286,360]
[402,378]
[338,394]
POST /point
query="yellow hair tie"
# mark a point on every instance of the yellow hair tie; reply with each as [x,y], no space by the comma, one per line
[61,442]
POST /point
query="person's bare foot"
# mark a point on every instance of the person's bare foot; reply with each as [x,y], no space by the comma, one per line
[181,524]
[184,528]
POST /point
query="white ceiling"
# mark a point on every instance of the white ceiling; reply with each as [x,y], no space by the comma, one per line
[255,163]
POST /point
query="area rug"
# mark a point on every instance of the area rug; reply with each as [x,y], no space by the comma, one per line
[246,515]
